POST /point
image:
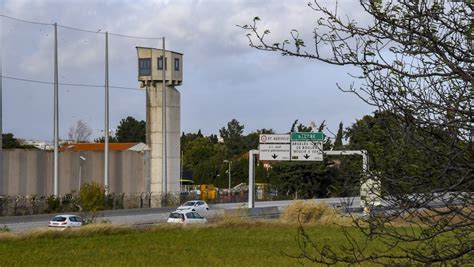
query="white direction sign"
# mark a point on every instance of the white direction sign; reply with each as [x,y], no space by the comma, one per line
[274,151]
[274,139]
[307,150]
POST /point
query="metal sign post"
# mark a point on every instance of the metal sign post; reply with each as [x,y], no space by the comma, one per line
[252,154]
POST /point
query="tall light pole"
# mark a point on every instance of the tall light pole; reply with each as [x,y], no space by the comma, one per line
[230,164]
[163,119]
[56,124]
[81,159]
[1,116]
[106,123]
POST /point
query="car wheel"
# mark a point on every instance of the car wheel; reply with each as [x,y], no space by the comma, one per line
[207,208]
[193,210]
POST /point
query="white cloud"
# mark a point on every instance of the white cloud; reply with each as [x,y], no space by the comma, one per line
[219,65]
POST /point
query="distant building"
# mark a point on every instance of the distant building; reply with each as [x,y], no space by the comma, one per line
[38,144]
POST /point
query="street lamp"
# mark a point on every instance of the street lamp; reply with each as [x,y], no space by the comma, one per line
[230,164]
[81,159]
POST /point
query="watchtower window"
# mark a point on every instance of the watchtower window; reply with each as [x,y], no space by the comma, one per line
[160,63]
[176,64]
[144,66]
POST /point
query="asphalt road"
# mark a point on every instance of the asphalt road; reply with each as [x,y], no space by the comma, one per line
[152,215]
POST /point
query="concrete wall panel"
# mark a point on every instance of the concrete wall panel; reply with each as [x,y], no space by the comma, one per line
[14,172]
[31,181]
[28,172]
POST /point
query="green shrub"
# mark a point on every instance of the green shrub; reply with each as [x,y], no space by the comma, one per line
[92,198]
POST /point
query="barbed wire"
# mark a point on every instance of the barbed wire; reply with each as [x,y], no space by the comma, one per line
[69,84]
[80,29]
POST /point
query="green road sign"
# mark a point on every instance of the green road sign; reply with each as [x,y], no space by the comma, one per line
[318,136]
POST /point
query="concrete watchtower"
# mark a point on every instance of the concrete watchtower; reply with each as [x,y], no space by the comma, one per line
[164,170]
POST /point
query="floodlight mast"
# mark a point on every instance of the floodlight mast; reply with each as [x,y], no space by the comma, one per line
[56,125]
[106,122]
[163,119]
[1,118]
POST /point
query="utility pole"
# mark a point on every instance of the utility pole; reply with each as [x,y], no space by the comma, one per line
[106,126]
[56,126]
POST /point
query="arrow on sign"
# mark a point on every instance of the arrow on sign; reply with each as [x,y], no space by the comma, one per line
[274,156]
[306,156]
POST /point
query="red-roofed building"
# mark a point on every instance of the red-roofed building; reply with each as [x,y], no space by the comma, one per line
[79,147]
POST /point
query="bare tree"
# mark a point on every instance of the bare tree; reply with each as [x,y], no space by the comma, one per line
[80,132]
[416,62]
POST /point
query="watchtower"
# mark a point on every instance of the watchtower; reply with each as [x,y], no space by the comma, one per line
[164,162]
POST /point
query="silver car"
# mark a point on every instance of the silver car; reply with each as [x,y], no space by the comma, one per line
[194,205]
[65,221]
[186,217]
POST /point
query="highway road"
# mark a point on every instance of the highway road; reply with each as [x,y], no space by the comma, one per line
[154,215]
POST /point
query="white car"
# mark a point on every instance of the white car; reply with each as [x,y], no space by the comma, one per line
[65,221]
[186,217]
[194,205]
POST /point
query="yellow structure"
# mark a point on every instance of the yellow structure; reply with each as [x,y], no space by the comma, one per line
[208,192]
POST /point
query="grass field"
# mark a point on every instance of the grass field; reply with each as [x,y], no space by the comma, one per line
[230,241]
[235,244]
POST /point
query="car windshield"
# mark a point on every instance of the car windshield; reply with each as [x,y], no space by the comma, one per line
[189,203]
[176,215]
[59,219]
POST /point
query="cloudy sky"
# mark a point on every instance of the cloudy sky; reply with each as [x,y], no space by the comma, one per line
[223,77]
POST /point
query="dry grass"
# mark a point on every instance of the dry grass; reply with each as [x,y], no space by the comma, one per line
[103,229]
[314,213]
[85,231]
[235,218]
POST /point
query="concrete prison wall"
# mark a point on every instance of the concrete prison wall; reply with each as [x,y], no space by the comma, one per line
[30,172]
